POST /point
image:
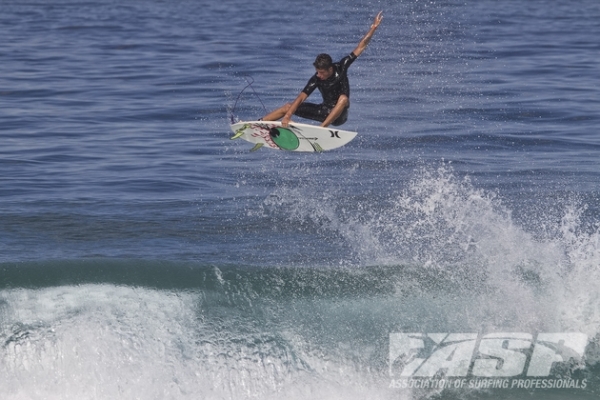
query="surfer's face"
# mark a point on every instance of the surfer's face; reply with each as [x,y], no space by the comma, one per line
[324,74]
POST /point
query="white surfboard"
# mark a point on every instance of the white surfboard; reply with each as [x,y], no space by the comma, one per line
[295,137]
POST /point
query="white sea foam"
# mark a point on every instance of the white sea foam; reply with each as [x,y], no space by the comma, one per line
[446,227]
[101,341]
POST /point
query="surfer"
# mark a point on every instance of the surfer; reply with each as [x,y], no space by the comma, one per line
[332,81]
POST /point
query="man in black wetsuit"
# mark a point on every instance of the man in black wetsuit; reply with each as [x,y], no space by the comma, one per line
[332,81]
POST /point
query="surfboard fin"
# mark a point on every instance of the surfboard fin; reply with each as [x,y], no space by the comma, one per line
[239,132]
[257,146]
[317,147]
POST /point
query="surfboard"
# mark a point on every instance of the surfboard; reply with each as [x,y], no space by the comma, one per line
[294,137]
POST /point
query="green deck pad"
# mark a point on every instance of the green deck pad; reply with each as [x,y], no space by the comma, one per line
[284,138]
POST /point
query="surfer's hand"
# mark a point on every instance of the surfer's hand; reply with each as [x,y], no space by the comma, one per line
[377,20]
[285,121]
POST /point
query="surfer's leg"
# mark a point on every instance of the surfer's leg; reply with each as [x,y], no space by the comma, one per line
[342,118]
[316,112]
[320,112]
[339,114]
[277,114]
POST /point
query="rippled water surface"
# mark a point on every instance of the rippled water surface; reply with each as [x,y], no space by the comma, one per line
[143,253]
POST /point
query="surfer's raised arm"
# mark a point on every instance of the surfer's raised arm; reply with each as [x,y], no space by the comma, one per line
[362,45]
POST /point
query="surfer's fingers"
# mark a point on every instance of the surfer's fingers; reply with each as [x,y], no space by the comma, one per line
[378,18]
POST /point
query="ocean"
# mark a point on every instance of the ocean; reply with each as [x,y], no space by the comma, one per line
[450,252]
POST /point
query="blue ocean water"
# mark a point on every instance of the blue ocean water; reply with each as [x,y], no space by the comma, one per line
[145,255]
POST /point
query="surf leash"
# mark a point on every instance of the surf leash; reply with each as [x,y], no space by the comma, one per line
[249,85]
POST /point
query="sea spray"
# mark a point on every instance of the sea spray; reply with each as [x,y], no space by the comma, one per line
[442,226]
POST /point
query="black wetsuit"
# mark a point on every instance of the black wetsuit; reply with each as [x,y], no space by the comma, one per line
[331,89]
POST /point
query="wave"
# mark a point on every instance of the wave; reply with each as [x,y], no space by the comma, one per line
[439,255]
[187,331]
[151,330]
